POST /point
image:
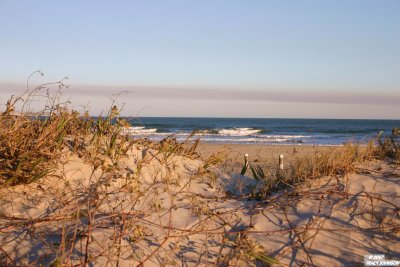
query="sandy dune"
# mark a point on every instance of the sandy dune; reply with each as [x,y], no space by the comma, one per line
[168,210]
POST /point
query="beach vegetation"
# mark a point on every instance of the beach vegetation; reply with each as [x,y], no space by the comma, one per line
[389,146]
[334,161]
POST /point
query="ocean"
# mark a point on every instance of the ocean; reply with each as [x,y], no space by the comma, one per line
[262,131]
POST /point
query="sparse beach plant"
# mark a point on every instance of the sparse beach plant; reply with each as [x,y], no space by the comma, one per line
[335,161]
[389,146]
[30,144]
[246,250]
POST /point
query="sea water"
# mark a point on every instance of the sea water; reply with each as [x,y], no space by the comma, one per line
[261,131]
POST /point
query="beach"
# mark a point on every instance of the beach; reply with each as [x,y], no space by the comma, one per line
[85,195]
[182,209]
[233,154]
[200,133]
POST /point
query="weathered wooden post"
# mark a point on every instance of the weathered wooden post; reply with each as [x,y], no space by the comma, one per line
[144,151]
[246,164]
[280,162]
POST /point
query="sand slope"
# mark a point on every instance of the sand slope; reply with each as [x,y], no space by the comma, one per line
[167,210]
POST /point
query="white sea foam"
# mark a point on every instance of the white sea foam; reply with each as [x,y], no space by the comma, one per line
[249,140]
[230,139]
[284,136]
[232,135]
[138,130]
[238,132]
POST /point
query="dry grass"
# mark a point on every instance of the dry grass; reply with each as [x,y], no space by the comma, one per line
[389,146]
[31,144]
[333,161]
[29,147]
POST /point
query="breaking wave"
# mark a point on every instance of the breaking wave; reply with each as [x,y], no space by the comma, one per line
[238,132]
[138,130]
[232,135]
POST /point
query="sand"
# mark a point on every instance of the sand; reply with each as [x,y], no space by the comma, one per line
[164,209]
[233,154]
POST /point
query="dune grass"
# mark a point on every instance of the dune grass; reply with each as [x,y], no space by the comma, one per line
[334,161]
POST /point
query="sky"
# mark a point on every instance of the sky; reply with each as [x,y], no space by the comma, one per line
[209,58]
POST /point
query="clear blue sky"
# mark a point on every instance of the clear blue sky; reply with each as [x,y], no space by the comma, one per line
[310,47]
